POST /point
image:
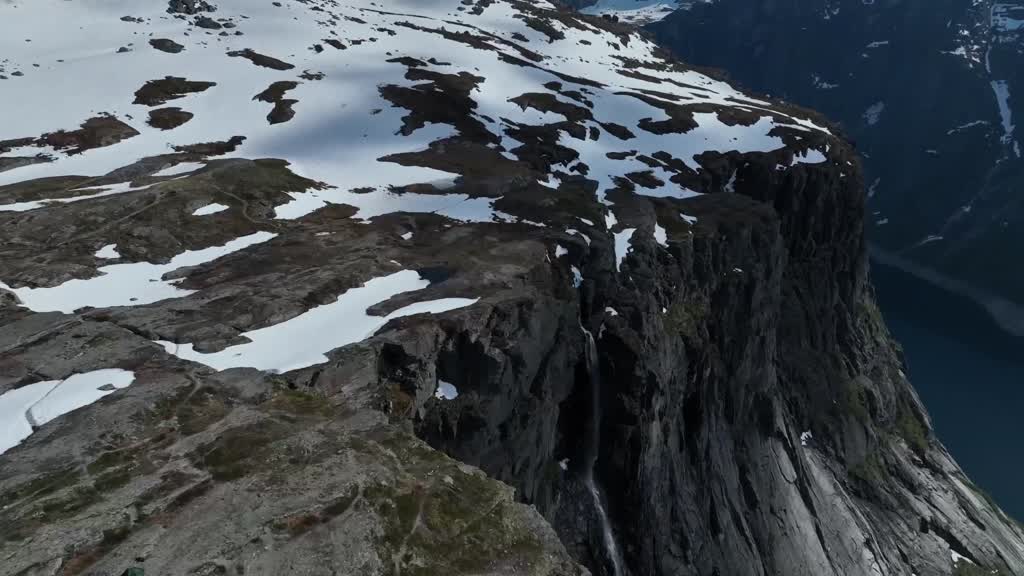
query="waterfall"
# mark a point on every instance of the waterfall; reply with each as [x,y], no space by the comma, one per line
[593,437]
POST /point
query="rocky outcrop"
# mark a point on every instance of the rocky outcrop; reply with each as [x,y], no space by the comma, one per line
[756,418]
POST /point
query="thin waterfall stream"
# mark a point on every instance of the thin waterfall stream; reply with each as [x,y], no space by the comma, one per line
[591,452]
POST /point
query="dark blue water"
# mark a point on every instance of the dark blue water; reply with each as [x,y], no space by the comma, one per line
[970,376]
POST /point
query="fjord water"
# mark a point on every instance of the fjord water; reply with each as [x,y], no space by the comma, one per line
[970,376]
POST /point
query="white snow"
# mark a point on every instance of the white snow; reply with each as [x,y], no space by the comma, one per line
[305,339]
[810,156]
[183,168]
[957,558]
[577,277]
[131,284]
[660,236]
[78,391]
[622,245]
[210,209]
[82,44]
[24,409]
[106,190]
[806,437]
[108,252]
[560,251]
[611,311]
[691,220]
[407,236]
[446,390]
[634,11]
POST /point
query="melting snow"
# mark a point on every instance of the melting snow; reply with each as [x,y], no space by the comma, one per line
[183,168]
[660,236]
[26,408]
[634,11]
[622,246]
[127,284]
[108,252]
[305,339]
[80,47]
[446,390]
[106,190]
[957,558]
[806,437]
[577,277]
[210,209]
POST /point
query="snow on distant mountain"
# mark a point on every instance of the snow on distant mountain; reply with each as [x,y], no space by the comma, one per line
[634,11]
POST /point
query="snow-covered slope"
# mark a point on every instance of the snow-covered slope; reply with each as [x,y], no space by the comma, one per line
[333,52]
[129,99]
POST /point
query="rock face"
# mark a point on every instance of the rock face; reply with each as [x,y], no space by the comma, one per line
[536,300]
[930,92]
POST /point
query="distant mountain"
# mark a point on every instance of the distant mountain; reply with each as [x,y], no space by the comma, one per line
[932,91]
[631,11]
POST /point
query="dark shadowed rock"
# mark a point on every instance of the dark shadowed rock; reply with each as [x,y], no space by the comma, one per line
[168,118]
[95,132]
[166,45]
[157,92]
[208,23]
[189,7]
[261,59]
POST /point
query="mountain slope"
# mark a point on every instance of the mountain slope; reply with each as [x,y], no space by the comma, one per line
[279,280]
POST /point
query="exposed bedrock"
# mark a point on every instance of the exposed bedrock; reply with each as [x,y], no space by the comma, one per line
[755,416]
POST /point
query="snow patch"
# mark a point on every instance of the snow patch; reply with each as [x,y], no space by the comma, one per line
[24,409]
[210,209]
[305,339]
[622,246]
[131,284]
[108,252]
[446,391]
[183,168]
